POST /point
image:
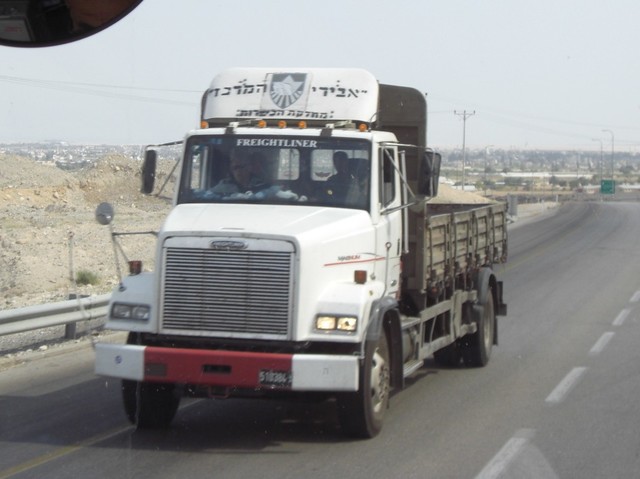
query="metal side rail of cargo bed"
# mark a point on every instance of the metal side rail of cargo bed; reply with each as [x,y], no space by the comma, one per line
[424,342]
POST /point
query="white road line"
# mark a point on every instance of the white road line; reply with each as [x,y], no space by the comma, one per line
[622,315]
[563,388]
[635,298]
[496,466]
[601,343]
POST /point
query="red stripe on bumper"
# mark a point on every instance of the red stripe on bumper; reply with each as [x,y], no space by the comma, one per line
[211,368]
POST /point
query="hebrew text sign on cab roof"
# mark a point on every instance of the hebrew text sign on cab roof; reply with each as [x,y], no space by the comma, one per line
[292,94]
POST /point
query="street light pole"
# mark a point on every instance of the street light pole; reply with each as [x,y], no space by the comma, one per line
[611,133]
[464,114]
[486,152]
[601,156]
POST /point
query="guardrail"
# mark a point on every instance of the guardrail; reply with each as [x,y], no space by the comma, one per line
[66,313]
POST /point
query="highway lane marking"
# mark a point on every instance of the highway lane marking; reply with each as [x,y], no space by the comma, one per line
[65,451]
[58,453]
[601,343]
[563,388]
[622,316]
[635,298]
[505,456]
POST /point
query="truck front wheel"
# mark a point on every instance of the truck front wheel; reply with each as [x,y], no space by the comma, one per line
[476,348]
[149,405]
[362,413]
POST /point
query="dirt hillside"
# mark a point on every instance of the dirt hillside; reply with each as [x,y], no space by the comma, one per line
[48,228]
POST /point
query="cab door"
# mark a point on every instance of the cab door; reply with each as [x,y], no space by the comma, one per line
[389,226]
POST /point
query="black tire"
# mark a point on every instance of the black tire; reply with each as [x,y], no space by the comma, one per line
[362,413]
[150,405]
[449,356]
[476,348]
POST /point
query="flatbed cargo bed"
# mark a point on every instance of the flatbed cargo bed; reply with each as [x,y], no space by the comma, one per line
[454,238]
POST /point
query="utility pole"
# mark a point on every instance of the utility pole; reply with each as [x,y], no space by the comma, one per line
[464,114]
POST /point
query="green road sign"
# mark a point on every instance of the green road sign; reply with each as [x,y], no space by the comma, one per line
[607,187]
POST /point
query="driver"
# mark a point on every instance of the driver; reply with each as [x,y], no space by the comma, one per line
[242,177]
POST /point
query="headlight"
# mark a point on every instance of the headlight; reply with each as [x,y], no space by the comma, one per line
[326,323]
[347,323]
[136,312]
[336,323]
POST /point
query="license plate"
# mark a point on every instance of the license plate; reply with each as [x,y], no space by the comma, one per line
[274,378]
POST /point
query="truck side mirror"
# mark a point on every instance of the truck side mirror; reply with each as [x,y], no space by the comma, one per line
[429,173]
[149,171]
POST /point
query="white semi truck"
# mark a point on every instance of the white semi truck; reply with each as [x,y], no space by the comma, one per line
[301,255]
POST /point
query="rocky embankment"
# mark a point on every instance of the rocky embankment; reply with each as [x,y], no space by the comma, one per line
[48,232]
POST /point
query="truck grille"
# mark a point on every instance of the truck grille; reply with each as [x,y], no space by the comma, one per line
[227,293]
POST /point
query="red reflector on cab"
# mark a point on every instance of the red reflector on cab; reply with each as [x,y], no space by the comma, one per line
[135,267]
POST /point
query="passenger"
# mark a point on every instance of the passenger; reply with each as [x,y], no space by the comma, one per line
[341,186]
[241,179]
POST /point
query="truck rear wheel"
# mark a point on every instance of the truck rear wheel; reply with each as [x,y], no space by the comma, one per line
[362,413]
[149,405]
[476,348]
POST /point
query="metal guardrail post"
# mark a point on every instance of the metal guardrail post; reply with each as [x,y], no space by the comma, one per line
[71,328]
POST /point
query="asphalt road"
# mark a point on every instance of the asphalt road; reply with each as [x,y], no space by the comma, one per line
[557,400]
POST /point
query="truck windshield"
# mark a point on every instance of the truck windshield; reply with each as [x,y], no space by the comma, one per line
[276,170]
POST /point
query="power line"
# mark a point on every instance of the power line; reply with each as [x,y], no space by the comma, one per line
[559,127]
[93,85]
[100,90]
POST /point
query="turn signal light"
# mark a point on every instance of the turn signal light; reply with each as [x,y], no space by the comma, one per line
[360,276]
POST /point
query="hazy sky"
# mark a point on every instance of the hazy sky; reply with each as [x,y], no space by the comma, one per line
[543,74]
